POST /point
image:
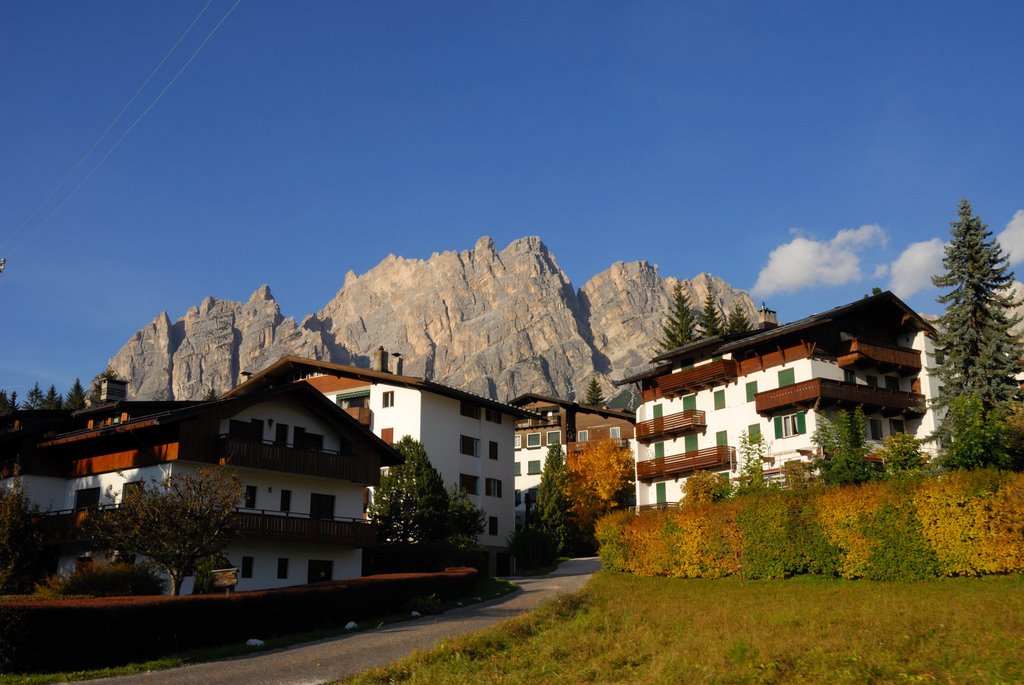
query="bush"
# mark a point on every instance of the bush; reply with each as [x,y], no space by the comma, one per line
[104,579]
[533,548]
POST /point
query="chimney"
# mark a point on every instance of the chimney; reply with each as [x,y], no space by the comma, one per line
[766,318]
[113,391]
[398,362]
[380,360]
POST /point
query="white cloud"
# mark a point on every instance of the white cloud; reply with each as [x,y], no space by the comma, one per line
[1012,238]
[802,262]
[913,270]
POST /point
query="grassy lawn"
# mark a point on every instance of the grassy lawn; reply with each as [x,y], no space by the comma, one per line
[486,588]
[656,630]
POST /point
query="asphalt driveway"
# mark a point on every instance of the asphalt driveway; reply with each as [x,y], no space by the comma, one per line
[339,657]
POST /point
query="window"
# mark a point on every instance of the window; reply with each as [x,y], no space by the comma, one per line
[689,443]
[492,525]
[896,426]
[754,432]
[690,402]
[554,437]
[321,506]
[468,483]
[751,390]
[87,498]
[720,399]
[132,488]
[659,450]
[299,437]
[876,428]
[792,424]
[492,415]
[583,436]
[615,433]
[658,411]
[250,497]
[312,441]
[519,468]
[892,383]
[469,446]
[247,567]
[659,493]
[849,376]
[286,500]
[492,449]
[470,410]
[238,429]
[722,438]
[872,380]
[533,439]
[319,570]
[282,567]
[388,435]
[519,442]
[533,467]
[787,377]
[281,434]
[388,399]
[492,487]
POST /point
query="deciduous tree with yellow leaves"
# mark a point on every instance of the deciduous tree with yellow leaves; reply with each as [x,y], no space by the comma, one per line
[600,479]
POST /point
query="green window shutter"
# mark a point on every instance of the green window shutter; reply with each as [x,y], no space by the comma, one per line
[690,443]
[659,450]
[690,402]
[657,411]
[778,427]
[720,399]
[787,377]
[722,438]
[801,423]
[751,390]
[659,490]
[754,432]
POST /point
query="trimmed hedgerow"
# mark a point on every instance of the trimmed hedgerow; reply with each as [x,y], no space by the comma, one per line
[964,523]
[110,631]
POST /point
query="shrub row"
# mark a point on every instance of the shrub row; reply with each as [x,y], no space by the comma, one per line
[64,635]
[965,523]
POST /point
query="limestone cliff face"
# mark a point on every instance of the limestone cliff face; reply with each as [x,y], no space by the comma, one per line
[496,323]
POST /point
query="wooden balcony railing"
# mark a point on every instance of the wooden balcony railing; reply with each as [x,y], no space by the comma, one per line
[254,454]
[659,506]
[826,392]
[289,527]
[363,415]
[673,424]
[884,357]
[703,376]
[708,458]
[65,525]
[574,448]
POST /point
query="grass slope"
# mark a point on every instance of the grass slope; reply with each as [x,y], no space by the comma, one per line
[622,628]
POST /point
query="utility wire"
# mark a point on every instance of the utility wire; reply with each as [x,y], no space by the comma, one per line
[133,124]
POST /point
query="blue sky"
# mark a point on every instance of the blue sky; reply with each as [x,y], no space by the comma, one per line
[751,140]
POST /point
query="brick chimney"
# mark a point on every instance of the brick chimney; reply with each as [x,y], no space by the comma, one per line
[766,318]
[380,359]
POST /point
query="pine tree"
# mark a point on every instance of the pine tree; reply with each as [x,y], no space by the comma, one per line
[594,395]
[553,503]
[979,353]
[75,399]
[53,399]
[5,403]
[677,330]
[411,504]
[35,398]
[711,323]
[737,321]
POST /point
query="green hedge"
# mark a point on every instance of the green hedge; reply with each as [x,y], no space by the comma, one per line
[65,635]
[963,523]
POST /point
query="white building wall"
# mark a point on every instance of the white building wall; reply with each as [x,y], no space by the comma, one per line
[284,413]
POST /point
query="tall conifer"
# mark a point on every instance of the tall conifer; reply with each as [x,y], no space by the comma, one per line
[75,398]
[711,323]
[677,330]
[737,321]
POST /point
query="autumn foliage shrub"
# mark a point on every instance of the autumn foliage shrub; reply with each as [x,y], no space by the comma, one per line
[958,524]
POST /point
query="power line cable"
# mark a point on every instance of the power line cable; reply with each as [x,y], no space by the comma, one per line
[130,128]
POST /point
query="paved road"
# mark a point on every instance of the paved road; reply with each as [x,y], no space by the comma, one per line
[339,657]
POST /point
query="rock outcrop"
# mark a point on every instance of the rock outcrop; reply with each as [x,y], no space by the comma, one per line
[496,323]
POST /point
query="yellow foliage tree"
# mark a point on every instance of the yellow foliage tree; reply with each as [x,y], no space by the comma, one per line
[599,479]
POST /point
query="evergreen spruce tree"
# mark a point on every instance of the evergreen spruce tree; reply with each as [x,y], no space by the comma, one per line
[35,398]
[75,398]
[5,403]
[594,395]
[677,330]
[753,450]
[411,504]
[53,399]
[553,502]
[737,321]
[711,323]
[979,353]
[14,401]
[843,443]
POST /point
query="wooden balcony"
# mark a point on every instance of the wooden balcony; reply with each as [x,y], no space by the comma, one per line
[65,525]
[679,464]
[685,421]
[660,506]
[363,415]
[703,376]
[269,456]
[822,392]
[574,448]
[858,353]
[285,527]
